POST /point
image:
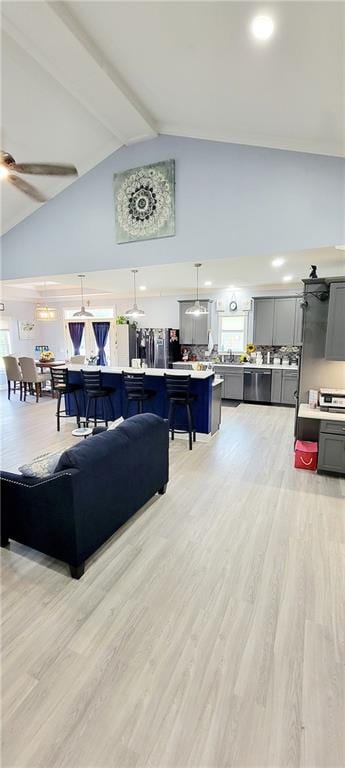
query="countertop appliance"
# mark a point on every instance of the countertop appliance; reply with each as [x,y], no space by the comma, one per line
[257,386]
[332,400]
[158,347]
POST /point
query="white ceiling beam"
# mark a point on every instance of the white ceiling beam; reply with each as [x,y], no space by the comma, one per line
[49,33]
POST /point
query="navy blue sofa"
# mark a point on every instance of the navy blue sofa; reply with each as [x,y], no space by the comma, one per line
[97,486]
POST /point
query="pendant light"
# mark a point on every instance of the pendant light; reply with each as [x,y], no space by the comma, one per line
[44,312]
[197,309]
[135,311]
[82,312]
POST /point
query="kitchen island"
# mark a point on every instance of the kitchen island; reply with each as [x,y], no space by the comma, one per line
[206,407]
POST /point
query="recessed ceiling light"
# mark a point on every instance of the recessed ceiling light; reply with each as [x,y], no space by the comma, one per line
[262,27]
[287,278]
[278,262]
[207,282]
[142,287]
[340,247]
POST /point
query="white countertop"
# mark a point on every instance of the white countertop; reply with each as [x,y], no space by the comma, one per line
[246,365]
[304,412]
[253,365]
[147,371]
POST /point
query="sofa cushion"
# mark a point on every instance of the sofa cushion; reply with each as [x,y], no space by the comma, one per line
[96,450]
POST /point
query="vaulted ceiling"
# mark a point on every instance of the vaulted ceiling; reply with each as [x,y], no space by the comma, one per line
[81,79]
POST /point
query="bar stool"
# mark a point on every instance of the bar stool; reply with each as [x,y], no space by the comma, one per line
[134,387]
[95,391]
[62,386]
[179,394]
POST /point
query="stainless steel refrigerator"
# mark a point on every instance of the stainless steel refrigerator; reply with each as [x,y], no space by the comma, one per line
[158,347]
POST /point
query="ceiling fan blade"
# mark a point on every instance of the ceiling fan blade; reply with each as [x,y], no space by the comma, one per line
[28,189]
[45,169]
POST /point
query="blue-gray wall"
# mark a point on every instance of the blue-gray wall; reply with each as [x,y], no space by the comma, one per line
[231,200]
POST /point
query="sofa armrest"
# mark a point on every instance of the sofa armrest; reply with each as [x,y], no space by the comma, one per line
[40,513]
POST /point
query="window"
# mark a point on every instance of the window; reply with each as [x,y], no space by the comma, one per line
[232,333]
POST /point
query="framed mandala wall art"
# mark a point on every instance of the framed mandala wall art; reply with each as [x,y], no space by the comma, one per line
[145,202]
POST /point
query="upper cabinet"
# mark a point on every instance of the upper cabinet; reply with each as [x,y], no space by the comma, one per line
[284,321]
[263,321]
[335,337]
[194,330]
[298,323]
[277,321]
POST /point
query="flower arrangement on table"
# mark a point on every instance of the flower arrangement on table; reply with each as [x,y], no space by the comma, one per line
[47,357]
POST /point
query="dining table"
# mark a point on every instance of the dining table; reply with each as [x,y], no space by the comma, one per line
[49,364]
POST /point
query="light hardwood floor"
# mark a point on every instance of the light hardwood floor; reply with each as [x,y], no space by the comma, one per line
[208,633]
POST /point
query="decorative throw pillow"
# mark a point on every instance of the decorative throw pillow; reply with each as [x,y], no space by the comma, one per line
[42,466]
[114,424]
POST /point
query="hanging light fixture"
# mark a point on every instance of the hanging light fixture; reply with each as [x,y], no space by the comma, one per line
[82,312]
[197,309]
[44,312]
[135,311]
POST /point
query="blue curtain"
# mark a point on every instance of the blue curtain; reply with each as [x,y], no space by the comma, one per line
[101,331]
[76,331]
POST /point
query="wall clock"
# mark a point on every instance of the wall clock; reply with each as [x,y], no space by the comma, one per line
[233,305]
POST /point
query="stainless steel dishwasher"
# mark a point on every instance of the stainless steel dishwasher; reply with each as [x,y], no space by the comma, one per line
[257,386]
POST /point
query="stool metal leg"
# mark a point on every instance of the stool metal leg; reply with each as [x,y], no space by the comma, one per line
[57,410]
[169,413]
[189,416]
[173,420]
[87,410]
[111,408]
[77,408]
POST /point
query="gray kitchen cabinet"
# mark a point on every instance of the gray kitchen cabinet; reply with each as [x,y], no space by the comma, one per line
[335,336]
[201,325]
[298,323]
[289,387]
[263,322]
[186,323]
[232,387]
[277,321]
[194,330]
[332,447]
[276,387]
[284,321]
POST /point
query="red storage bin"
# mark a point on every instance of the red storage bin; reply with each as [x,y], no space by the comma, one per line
[305,455]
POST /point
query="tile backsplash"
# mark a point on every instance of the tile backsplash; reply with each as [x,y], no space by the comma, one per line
[199,350]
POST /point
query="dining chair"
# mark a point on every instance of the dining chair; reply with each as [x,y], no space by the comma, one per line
[14,374]
[31,376]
